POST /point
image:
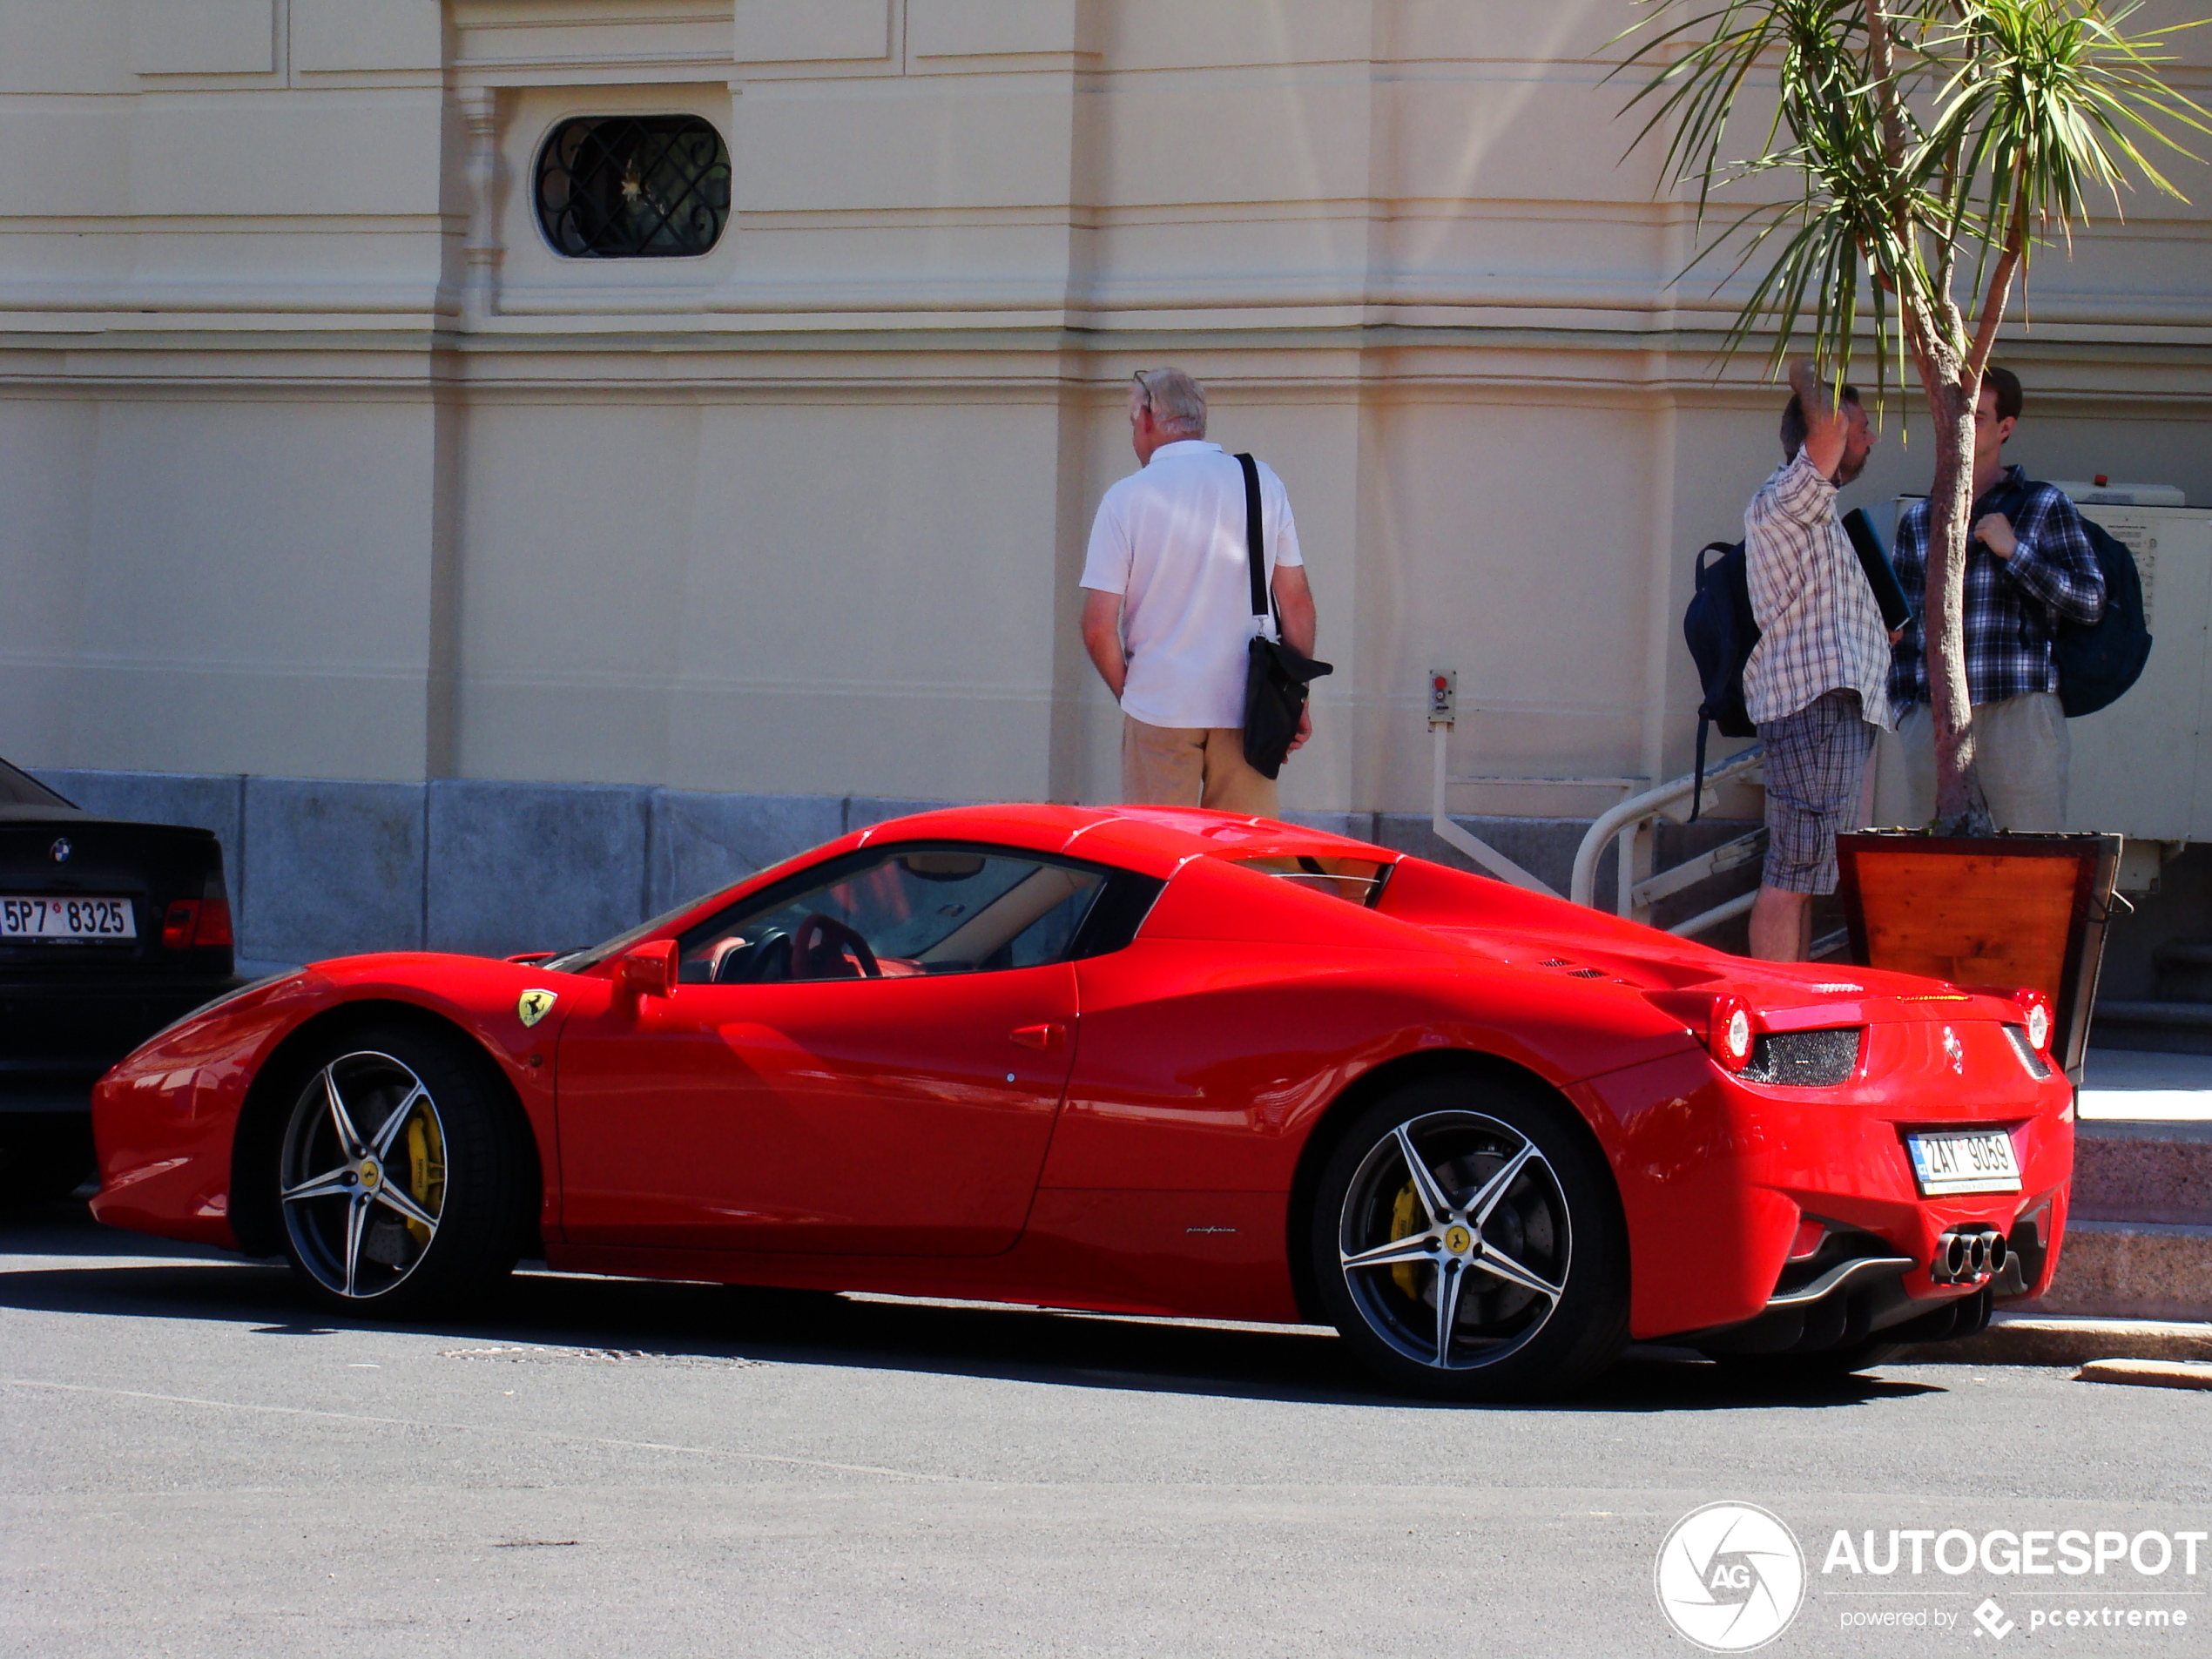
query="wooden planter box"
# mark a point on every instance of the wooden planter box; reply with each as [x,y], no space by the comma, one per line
[2016,911]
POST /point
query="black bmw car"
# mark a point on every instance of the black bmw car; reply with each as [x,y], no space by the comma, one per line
[108,932]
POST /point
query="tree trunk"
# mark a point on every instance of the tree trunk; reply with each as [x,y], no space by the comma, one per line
[1961,809]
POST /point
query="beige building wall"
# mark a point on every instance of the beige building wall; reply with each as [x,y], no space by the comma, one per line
[317,461]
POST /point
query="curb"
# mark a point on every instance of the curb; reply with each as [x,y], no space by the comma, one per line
[2147,1373]
[2031,1339]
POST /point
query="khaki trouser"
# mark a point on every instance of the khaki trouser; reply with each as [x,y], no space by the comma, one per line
[2024,752]
[1192,766]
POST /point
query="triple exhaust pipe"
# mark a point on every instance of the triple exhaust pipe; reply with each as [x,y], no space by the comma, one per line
[1966,1256]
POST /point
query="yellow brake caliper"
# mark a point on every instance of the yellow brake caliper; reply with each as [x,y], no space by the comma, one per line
[1403,1224]
[426,1171]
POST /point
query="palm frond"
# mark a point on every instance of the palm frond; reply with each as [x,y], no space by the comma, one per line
[1996,123]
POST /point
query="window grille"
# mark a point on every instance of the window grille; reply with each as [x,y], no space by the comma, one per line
[633,187]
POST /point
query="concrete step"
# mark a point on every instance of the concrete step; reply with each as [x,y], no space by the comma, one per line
[2131,1270]
[2138,1237]
[2143,1172]
[2168,1027]
[2184,970]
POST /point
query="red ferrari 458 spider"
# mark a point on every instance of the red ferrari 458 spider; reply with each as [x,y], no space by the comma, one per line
[1156,1061]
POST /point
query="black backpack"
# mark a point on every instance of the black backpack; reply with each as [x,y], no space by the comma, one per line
[2098,663]
[1721,632]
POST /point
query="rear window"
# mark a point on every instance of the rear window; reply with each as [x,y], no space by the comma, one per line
[1354,880]
[21,789]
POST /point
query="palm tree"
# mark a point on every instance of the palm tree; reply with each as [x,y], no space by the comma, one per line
[1928,146]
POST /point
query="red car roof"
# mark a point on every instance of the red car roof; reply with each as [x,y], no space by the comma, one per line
[1154,840]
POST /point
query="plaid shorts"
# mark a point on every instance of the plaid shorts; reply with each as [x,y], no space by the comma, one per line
[1814,761]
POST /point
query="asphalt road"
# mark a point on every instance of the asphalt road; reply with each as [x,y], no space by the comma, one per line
[194,1463]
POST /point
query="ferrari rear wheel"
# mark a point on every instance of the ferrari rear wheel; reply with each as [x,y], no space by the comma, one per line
[1467,1245]
[399,1177]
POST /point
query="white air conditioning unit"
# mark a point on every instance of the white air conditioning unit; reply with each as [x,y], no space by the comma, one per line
[2143,765]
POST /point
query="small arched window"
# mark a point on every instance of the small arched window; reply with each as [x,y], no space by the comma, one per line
[633,186]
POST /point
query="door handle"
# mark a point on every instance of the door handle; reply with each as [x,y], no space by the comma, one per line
[1046,1036]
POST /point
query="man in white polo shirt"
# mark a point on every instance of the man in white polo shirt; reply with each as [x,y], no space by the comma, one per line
[1166,605]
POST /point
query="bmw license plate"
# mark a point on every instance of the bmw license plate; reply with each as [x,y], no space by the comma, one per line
[96,921]
[1977,1161]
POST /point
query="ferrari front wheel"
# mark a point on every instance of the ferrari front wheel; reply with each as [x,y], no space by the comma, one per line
[1467,1245]
[399,1177]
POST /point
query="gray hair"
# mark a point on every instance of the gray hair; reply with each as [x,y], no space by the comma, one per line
[1177,403]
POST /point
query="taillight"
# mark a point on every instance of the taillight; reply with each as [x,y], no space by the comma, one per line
[1806,1245]
[178,924]
[195,924]
[215,925]
[2035,1009]
[1730,1035]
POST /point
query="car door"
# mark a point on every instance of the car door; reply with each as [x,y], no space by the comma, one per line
[866,1058]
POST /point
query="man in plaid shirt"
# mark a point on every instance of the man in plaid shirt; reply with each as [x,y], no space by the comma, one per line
[2029,566]
[1817,683]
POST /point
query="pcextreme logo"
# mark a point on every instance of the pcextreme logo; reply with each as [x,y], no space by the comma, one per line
[1730,1577]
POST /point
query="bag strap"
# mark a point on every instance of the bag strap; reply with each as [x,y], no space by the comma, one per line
[2010,497]
[1704,722]
[1255,551]
[1697,800]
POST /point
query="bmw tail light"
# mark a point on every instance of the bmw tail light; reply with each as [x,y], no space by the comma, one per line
[199,924]
[178,924]
[213,927]
[1730,1035]
[2035,1010]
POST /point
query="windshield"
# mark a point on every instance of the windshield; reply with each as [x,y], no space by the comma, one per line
[579,961]
[21,789]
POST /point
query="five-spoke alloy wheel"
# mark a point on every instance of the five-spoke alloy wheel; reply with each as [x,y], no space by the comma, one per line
[397,1175]
[1466,1244]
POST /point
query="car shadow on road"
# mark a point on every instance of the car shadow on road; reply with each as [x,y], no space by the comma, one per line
[107,1274]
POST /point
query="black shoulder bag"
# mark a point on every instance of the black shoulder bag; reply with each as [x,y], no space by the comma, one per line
[1276,680]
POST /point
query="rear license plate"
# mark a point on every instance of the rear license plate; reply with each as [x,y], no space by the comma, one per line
[1978,1161]
[95,920]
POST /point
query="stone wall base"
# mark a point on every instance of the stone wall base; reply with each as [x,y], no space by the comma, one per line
[323,867]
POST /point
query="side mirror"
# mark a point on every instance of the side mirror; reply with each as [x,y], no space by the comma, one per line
[649,970]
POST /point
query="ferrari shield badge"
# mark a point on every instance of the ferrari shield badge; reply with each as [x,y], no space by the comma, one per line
[534,1005]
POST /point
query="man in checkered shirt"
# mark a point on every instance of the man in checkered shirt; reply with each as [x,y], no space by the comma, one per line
[1817,682]
[2029,566]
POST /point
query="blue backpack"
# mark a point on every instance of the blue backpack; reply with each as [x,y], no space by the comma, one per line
[1720,630]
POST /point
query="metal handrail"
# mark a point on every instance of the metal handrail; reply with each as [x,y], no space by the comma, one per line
[1636,897]
[1451,835]
[1631,814]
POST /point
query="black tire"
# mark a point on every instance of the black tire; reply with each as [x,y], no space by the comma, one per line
[1555,1223]
[451,1220]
